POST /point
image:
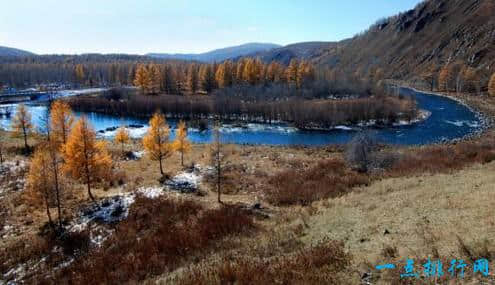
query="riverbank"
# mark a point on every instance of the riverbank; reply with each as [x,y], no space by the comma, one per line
[481,105]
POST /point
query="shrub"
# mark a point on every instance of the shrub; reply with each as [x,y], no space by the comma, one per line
[441,158]
[158,236]
[328,179]
[359,152]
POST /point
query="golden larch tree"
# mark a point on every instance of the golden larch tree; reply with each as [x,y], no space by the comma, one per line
[40,188]
[122,137]
[193,78]
[155,78]
[142,78]
[61,121]
[86,159]
[292,72]
[80,74]
[21,124]
[491,86]
[157,141]
[181,143]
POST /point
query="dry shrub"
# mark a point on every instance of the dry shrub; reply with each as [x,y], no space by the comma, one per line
[159,235]
[23,251]
[328,179]
[318,264]
[441,158]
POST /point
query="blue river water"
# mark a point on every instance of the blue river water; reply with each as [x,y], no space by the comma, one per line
[449,120]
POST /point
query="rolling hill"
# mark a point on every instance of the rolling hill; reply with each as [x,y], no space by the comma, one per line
[434,33]
[219,54]
[305,50]
[6,51]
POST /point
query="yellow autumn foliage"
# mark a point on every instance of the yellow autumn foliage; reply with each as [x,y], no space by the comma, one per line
[86,159]
[181,143]
[21,124]
[122,137]
[61,121]
[156,142]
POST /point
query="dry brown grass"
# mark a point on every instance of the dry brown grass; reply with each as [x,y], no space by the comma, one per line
[328,179]
[415,217]
[322,263]
[158,235]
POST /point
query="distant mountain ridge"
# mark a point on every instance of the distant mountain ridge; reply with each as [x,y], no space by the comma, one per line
[304,50]
[7,51]
[219,55]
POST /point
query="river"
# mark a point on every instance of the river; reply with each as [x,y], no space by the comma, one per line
[449,120]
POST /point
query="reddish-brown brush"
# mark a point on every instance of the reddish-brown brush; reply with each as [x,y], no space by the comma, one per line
[328,179]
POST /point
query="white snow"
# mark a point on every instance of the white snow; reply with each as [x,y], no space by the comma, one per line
[68,93]
[138,154]
[151,192]
[109,210]
[134,133]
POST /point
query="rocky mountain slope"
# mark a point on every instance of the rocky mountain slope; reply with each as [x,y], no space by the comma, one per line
[434,33]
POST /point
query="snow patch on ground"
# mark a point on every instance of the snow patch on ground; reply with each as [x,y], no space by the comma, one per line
[151,192]
[108,211]
[12,176]
[134,133]
[138,154]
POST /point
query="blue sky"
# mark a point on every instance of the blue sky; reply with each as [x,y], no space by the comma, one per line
[142,26]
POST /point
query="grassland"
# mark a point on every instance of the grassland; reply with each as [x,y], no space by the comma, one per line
[433,202]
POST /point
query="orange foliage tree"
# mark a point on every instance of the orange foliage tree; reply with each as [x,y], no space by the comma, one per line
[39,182]
[157,141]
[86,159]
[21,124]
[43,179]
[142,78]
[122,137]
[181,143]
[491,86]
[61,121]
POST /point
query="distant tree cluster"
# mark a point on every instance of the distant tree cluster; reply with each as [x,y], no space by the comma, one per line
[155,78]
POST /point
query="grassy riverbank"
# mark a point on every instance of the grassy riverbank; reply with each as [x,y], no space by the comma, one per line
[432,201]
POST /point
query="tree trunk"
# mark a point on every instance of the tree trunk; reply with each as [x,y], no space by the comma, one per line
[161,167]
[219,192]
[25,138]
[182,158]
[88,183]
[48,210]
[57,191]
